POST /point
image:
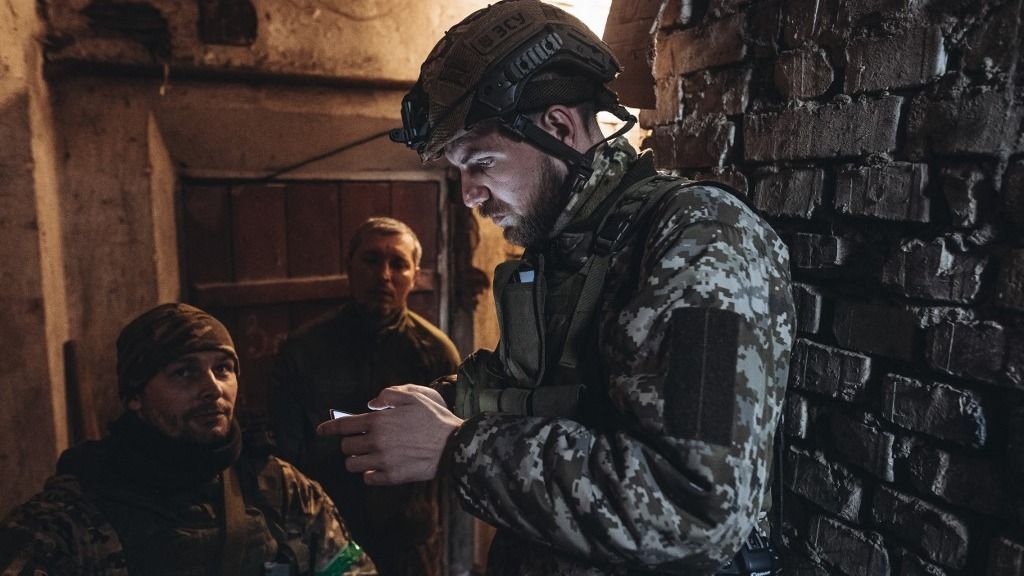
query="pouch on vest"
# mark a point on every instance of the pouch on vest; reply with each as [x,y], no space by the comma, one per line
[519,298]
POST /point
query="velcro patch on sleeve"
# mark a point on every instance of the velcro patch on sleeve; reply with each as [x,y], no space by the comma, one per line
[700,390]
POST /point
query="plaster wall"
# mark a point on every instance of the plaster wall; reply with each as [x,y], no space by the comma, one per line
[51,247]
[355,40]
[232,130]
[107,205]
[492,250]
[32,314]
[163,185]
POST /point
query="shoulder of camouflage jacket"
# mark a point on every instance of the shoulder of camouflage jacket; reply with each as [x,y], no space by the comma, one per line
[305,508]
[62,531]
[705,249]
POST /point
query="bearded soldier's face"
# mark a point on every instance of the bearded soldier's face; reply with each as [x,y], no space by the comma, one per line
[511,182]
[192,398]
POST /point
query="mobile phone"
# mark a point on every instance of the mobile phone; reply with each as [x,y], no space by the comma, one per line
[335,414]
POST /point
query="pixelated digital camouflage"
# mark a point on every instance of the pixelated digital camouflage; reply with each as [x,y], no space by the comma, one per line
[63,531]
[696,306]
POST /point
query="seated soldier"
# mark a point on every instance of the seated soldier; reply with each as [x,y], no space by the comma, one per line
[172,489]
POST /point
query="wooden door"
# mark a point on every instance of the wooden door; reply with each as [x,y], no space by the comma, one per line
[268,258]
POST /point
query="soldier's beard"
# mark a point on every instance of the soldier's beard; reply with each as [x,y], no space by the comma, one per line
[547,199]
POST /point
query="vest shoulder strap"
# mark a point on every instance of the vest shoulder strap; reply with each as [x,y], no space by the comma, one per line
[633,208]
[635,203]
[234,523]
[263,484]
[617,227]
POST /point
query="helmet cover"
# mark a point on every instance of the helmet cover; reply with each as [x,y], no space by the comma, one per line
[483,65]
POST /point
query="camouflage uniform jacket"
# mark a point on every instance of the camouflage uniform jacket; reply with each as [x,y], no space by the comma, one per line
[689,360]
[342,362]
[66,529]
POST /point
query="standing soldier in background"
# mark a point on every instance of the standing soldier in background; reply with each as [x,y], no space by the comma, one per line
[371,342]
[174,489]
[625,423]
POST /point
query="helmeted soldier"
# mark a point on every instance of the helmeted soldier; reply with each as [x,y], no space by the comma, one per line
[625,422]
[174,489]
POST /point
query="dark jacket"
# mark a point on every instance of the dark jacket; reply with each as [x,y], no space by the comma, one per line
[342,362]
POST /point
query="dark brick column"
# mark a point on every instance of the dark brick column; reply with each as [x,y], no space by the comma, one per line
[883,140]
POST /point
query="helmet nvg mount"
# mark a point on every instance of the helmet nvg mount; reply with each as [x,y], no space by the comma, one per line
[486,67]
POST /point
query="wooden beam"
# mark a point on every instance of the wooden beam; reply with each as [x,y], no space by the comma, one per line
[284,290]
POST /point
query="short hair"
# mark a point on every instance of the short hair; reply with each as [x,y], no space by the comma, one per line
[386,227]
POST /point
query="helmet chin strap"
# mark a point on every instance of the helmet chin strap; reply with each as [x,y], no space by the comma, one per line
[578,163]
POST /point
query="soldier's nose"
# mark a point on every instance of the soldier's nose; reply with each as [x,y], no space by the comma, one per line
[473,194]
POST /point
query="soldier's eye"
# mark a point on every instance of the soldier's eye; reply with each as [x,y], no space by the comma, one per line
[181,372]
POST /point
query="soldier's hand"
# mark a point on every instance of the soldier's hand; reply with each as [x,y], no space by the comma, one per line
[401,441]
[427,392]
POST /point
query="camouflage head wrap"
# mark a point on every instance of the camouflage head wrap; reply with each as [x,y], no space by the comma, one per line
[160,336]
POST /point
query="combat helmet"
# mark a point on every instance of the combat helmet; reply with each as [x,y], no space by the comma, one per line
[485,68]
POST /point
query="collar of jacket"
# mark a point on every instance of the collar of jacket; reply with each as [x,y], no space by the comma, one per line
[366,321]
[616,167]
[136,453]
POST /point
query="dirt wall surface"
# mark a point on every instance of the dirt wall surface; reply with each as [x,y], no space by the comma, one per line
[355,40]
[32,419]
[221,129]
[112,205]
[882,139]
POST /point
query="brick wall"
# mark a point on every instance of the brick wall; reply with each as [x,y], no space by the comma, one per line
[882,139]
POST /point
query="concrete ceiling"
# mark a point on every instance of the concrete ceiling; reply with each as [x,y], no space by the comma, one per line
[232,132]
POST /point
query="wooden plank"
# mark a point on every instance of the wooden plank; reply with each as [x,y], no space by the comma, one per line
[415,203]
[282,290]
[305,313]
[359,201]
[260,332]
[424,303]
[260,238]
[207,233]
[314,244]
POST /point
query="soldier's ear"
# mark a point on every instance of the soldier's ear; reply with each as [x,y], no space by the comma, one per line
[561,122]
